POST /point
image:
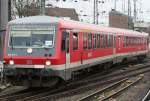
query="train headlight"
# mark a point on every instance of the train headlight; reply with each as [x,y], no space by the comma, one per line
[29,50]
[11,62]
[48,63]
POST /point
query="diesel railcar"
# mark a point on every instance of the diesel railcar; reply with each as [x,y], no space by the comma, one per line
[41,50]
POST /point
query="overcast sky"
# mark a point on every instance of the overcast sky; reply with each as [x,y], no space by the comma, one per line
[86,8]
[146,10]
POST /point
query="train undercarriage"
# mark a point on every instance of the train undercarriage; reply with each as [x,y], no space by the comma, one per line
[48,77]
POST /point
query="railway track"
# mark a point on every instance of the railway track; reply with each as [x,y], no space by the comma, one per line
[81,89]
[147,97]
[111,90]
[22,94]
[78,87]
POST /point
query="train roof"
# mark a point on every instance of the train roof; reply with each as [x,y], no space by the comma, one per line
[35,20]
[73,25]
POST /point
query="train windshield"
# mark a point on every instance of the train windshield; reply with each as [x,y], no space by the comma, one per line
[31,37]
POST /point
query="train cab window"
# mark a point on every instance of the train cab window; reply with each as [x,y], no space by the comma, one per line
[75,41]
[85,38]
[98,40]
[89,41]
[94,37]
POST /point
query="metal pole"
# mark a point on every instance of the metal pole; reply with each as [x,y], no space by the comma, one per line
[129,13]
[135,12]
[42,7]
[115,5]
[9,10]
[97,14]
[94,12]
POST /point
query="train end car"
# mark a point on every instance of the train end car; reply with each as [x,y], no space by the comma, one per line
[42,50]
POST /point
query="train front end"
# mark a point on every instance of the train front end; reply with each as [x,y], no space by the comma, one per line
[30,52]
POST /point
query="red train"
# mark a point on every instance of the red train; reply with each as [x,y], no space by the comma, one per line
[41,50]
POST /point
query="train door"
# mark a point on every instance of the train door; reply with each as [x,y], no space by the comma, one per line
[66,47]
[67,50]
[114,49]
[119,42]
[114,44]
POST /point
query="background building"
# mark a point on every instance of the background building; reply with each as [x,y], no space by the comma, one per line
[120,20]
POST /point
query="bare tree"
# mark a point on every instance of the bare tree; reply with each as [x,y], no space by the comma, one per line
[22,7]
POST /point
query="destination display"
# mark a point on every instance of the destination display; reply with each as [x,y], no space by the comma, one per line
[32,27]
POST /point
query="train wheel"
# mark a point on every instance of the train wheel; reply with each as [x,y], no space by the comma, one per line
[107,66]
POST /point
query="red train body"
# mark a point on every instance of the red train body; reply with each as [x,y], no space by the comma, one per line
[41,48]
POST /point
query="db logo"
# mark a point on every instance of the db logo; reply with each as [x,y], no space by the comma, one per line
[90,54]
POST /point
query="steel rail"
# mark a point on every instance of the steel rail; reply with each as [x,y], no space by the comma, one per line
[58,95]
[21,95]
[147,97]
[121,90]
[99,92]
[53,92]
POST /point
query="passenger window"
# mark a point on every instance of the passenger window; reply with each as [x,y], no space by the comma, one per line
[94,37]
[109,40]
[102,41]
[119,41]
[75,41]
[124,41]
[89,41]
[85,41]
[127,41]
[98,40]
